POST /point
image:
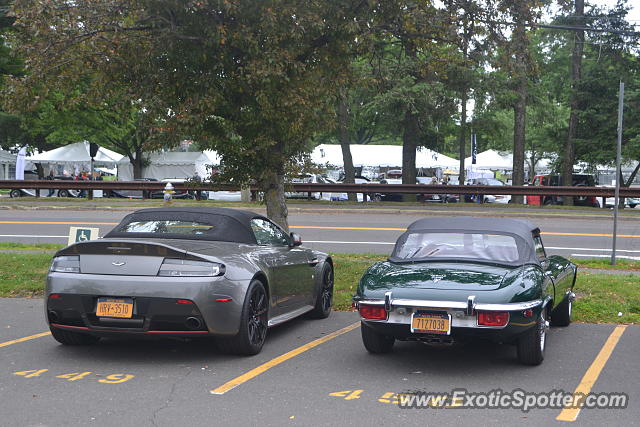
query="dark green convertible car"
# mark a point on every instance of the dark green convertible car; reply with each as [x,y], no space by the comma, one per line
[462,278]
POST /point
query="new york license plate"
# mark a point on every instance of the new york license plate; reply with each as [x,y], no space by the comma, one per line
[114,307]
[431,323]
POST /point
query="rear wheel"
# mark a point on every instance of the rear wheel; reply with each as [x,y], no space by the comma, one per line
[73,338]
[532,344]
[253,323]
[374,342]
[15,193]
[561,316]
[63,193]
[324,301]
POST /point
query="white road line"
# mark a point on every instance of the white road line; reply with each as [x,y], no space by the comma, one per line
[32,236]
[591,249]
[635,258]
[348,243]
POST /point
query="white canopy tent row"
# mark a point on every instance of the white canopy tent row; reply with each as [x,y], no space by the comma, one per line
[380,156]
[7,162]
[75,158]
[168,164]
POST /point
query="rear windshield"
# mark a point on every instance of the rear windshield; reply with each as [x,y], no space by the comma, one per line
[171,227]
[480,246]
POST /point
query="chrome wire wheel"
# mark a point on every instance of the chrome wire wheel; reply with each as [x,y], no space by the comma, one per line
[257,319]
[544,327]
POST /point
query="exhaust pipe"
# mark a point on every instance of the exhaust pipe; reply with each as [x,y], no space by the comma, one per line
[53,316]
[193,323]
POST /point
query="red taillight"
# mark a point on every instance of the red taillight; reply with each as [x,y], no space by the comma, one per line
[183,301]
[528,313]
[493,318]
[55,296]
[373,312]
[224,300]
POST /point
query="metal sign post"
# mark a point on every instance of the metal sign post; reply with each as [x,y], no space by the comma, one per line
[618,172]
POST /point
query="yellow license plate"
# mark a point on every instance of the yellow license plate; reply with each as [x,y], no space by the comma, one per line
[431,324]
[114,308]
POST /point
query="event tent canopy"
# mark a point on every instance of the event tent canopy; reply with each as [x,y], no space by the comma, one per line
[380,155]
[491,159]
[168,164]
[75,154]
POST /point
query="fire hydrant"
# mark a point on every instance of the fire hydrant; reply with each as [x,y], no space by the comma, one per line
[168,192]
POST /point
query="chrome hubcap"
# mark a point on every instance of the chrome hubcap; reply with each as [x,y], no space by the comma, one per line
[544,326]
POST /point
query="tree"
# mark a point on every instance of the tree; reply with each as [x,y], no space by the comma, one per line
[249,79]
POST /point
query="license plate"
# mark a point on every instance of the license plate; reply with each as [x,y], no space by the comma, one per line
[114,307]
[431,323]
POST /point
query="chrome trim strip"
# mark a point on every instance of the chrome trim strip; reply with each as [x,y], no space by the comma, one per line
[459,305]
[387,301]
[370,302]
[471,304]
[511,306]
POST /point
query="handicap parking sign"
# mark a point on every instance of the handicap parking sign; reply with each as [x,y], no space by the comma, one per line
[82,234]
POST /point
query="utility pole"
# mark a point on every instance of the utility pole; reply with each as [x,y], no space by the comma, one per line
[618,172]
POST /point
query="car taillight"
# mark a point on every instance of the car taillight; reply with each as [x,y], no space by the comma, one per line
[373,312]
[187,268]
[493,318]
[65,264]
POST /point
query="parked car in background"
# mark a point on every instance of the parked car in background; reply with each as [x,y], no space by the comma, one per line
[131,194]
[31,175]
[307,179]
[578,179]
[487,198]
[435,198]
[463,279]
[178,194]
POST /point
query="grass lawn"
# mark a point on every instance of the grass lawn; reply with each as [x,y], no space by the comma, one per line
[600,296]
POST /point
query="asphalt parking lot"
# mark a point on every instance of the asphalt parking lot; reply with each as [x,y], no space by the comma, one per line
[310,372]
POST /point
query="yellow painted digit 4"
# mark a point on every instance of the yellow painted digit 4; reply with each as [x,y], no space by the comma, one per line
[32,373]
[74,376]
[116,378]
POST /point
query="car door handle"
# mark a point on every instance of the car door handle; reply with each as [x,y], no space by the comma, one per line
[313,262]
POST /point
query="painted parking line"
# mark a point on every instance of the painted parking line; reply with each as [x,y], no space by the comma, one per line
[19,340]
[588,380]
[229,385]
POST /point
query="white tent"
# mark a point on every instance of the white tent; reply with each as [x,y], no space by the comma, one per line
[76,155]
[491,159]
[379,155]
[6,161]
[169,164]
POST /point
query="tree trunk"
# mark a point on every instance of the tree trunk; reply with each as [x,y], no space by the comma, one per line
[576,65]
[462,138]
[519,127]
[137,162]
[343,123]
[409,146]
[272,184]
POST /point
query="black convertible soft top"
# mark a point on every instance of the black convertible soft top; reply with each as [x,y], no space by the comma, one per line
[230,225]
[522,230]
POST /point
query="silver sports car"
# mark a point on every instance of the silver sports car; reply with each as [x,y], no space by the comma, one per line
[187,272]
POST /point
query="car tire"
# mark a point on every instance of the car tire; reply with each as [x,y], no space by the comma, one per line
[377,198]
[73,338]
[63,193]
[532,343]
[15,193]
[561,315]
[374,342]
[548,202]
[633,206]
[324,300]
[253,323]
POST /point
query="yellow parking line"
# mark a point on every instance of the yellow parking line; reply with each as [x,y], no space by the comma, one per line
[590,377]
[31,337]
[348,228]
[280,359]
[59,222]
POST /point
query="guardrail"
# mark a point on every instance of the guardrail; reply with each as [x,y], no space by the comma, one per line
[578,191]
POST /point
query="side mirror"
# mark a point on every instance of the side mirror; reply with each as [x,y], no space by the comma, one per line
[296,240]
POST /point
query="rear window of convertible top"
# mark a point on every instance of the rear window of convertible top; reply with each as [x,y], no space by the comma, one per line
[167,227]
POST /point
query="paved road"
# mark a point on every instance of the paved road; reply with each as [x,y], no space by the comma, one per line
[343,232]
[168,383]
